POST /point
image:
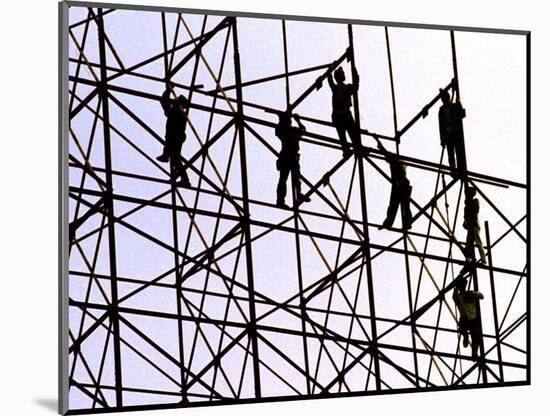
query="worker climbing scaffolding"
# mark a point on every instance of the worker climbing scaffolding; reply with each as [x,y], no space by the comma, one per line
[175,111]
[471,224]
[342,118]
[451,133]
[400,191]
[468,324]
[288,161]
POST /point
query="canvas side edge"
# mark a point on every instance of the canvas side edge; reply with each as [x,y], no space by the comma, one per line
[63,226]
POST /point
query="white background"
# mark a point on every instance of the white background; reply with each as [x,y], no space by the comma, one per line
[28,209]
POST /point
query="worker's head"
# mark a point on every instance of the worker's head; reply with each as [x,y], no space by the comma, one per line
[339,75]
[470,192]
[285,118]
[461,283]
[444,95]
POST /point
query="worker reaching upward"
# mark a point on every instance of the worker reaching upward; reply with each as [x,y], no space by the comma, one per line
[288,161]
[400,191]
[175,111]
[451,133]
[342,118]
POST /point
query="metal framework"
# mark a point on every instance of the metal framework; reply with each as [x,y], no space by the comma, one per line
[207,329]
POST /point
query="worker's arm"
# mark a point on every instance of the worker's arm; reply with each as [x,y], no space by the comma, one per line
[165,101]
[456,292]
[461,111]
[476,206]
[330,81]
[387,155]
[441,128]
[355,79]
[299,121]
[279,132]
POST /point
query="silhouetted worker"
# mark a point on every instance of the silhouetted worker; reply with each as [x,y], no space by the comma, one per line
[452,134]
[176,122]
[468,322]
[289,157]
[471,224]
[400,191]
[341,104]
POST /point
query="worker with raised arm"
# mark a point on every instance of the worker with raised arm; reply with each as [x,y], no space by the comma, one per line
[451,133]
[288,161]
[175,111]
[400,191]
[342,118]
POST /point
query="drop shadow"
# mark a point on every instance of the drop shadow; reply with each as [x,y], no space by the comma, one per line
[49,404]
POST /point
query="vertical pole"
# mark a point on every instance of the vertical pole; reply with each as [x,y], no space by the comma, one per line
[405,240]
[455,66]
[287,83]
[366,242]
[175,237]
[294,178]
[494,300]
[239,122]
[113,310]
[474,273]
[457,89]
[396,131]
[480,328]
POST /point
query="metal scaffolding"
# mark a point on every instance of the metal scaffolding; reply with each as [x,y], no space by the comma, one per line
[224,337]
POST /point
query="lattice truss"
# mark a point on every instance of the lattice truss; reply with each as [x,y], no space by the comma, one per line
[212,293]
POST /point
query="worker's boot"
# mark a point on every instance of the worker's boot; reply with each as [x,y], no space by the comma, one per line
[386,224]
[184,180]
[304,198]
[281,203]
[163,158]
[183,183]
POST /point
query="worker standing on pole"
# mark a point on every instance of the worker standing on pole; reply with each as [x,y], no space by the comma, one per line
[471,224]
[288,161]
[400,191]
[175,111]
[342,118]
[452,134]
[466,302]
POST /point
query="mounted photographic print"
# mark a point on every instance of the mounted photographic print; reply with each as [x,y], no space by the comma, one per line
[261,208]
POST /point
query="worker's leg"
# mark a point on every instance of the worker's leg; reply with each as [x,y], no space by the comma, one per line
[405,207]
[479,245]
[296,183]
[179,169]
[392,207]
[353,130]
[469,245]
[451,153]
[460,154]
[284,170]
[463,331]
[339,122]
[476,337]
[164,156]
